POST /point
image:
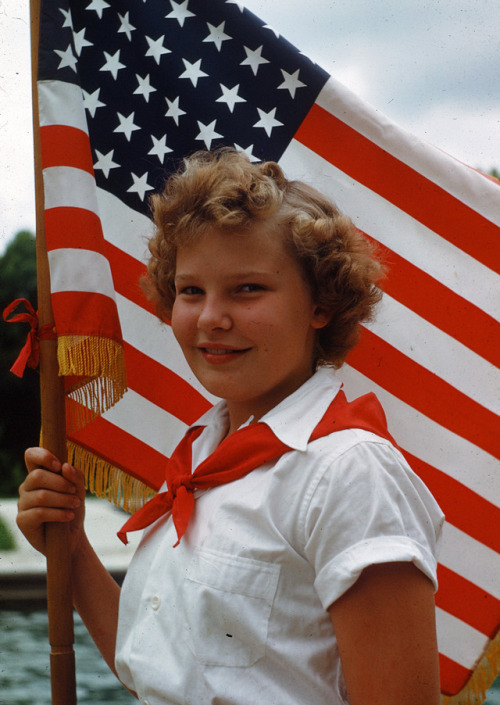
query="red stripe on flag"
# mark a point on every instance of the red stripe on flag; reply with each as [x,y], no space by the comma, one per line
[163,387]
[437,304]
[453,676]
[65,146]
[464,508]
[425,391]
[121,450]
[127,273]
[95,314]
[73,227]
[468,602]
[398,183]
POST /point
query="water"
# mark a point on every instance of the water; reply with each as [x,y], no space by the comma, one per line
[25,670]
[25,673]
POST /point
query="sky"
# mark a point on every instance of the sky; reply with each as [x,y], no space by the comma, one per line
[432,66]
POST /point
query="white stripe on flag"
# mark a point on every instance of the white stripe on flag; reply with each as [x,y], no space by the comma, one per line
[430,441]
[457,640]
[396,230]
[471,559]
[147,422]
[61,104]
[80,270]
[433,349]
[458,179]
[68,187]
[124,227]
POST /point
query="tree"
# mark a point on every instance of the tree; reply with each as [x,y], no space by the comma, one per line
[20,398]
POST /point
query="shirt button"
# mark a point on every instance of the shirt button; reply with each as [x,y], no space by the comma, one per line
[155,602]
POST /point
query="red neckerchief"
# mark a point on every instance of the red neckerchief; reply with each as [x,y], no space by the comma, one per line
[238,454]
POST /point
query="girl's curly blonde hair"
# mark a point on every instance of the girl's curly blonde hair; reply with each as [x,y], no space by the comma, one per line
[224,190]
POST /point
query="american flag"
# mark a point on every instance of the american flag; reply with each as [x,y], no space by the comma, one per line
[126,90]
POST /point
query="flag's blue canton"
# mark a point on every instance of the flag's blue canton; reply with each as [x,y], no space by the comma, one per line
[162,79]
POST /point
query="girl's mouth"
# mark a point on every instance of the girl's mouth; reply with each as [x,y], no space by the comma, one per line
[221,351]
[220,355]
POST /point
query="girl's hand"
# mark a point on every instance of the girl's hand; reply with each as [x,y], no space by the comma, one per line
[52,492]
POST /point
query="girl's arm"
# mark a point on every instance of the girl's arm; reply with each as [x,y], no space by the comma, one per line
[386,633]
[55,493]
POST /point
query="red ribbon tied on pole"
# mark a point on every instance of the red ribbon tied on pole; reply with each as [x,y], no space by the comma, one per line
[30,352]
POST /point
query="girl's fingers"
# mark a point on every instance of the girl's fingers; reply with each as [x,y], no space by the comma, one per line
[40,457]
[74,476]
[40,478]
[33,518]
[51,492]
[48,499]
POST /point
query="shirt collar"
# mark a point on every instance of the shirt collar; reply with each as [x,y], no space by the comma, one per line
[293,419]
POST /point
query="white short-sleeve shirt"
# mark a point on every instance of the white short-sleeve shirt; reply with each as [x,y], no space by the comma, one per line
[236,614]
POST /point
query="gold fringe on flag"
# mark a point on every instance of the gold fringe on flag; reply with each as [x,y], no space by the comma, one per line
[108,482]
[98,368]
[485,672]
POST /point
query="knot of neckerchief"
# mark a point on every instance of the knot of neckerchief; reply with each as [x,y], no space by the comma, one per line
[240,453]
[30,352]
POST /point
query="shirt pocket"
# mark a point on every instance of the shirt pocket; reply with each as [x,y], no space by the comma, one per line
[227,603]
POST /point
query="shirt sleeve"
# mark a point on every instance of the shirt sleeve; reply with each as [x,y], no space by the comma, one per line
[368,507]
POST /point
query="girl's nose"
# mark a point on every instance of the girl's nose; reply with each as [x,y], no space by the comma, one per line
[214,314]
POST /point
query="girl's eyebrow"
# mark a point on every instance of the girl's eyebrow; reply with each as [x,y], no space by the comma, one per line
[245,274]
[251,273]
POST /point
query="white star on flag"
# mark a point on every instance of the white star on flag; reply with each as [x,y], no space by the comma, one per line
[174,111]
[67,58]
[105,162]
[91,101]
[125,25]
[126,125]
[254,59]
[230,96]
[156,48]
[159,148]
[98,6]
[217,35]
[267,121]
[140,185]
[207,133]
[291,82]
[179,12]
[246,150]
[112,64]
[144,87]
[67,18]
[80,42]
[193,71]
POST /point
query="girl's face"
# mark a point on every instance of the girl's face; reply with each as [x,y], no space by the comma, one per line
[245,319]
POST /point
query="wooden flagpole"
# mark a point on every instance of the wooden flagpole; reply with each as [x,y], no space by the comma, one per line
[59,593]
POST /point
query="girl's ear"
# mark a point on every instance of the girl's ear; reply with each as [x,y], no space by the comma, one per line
[320,318]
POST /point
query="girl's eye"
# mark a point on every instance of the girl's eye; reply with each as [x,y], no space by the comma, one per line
[190,291]
[251,288]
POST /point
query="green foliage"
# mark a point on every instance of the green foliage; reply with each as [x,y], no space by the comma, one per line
[19,398]
[7,542]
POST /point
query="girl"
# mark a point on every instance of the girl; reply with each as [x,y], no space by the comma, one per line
[291,557]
